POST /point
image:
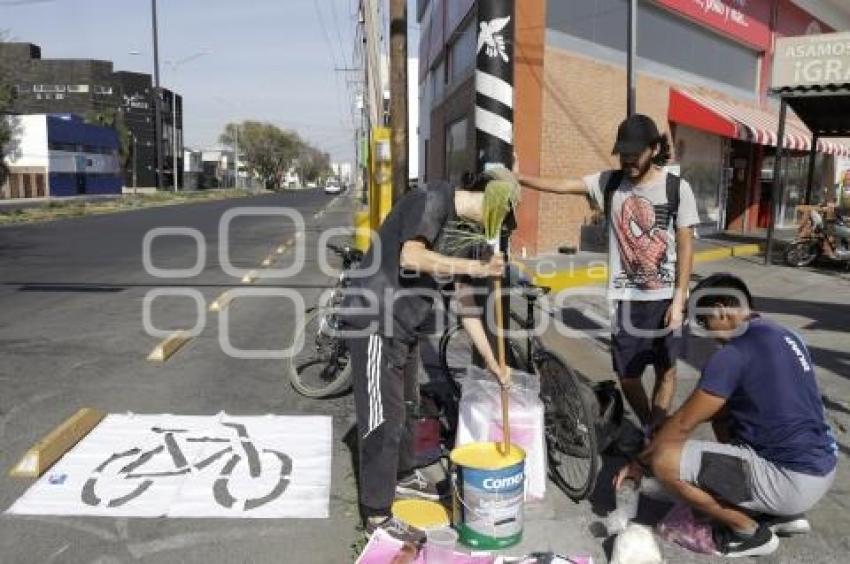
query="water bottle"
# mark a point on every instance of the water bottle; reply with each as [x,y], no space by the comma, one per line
[626,510]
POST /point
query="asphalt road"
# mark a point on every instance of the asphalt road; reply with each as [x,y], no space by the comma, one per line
[72,336]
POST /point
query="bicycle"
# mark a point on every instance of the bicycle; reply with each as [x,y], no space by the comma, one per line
[133,471]
[569,423]
[321,368]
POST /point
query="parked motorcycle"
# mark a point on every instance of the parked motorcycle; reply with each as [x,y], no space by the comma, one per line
[817,237]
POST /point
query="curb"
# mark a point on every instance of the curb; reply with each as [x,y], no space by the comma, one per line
[591,275]
[57,442]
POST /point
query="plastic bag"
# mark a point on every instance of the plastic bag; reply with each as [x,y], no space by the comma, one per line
[682,527]
[480,420]
[636,545]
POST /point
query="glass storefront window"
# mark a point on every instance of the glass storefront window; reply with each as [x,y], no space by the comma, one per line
[700,156]
[796,174]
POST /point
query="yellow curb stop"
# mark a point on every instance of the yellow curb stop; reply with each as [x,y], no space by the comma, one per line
[586,276]
[221,302]
[43,454]
[164,350]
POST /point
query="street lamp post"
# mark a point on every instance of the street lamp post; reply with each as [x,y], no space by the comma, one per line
[157,95]
[236,155]
[174,138]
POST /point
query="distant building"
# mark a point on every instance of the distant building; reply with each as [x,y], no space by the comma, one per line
[342,171]
[88,86]
[216,169]
[192,169]
[59,156]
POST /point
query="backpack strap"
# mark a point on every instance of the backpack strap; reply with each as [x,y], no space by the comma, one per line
[674,183]
[611,186]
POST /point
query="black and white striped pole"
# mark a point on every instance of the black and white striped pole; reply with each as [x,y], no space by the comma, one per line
[494,84]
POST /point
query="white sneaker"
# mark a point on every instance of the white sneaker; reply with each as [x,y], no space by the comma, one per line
[790,525]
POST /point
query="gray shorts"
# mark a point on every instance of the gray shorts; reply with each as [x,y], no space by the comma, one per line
[739,476]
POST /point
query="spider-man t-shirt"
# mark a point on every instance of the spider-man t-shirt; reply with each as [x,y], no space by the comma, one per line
[642,237]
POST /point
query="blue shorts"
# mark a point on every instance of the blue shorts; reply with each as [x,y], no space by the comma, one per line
[640,338]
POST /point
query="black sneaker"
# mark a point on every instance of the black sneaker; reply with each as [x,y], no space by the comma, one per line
[786,526]
[417,485]
[733,545]
[395,528]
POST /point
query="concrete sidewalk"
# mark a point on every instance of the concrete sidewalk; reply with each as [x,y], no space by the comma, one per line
[814,303]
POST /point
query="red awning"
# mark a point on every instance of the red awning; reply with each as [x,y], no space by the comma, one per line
[747,123]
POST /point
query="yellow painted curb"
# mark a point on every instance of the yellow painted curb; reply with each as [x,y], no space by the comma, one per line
[164,350]
[250,277]
[221,302]
[587,276]
[43,454]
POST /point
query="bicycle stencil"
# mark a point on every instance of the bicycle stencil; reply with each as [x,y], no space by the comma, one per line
[191,466]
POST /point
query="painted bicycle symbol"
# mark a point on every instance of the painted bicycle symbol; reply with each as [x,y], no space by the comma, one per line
[238,450]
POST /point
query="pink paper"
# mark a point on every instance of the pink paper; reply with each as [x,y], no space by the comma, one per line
[382,548]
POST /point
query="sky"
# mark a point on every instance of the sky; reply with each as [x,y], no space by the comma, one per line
[270,60]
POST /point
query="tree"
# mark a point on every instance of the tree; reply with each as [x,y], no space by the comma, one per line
[6,127]
[267,150]
[314,164]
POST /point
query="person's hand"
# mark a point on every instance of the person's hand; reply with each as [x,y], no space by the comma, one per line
[493,268]
[675,317]
[515,168]
[632,471]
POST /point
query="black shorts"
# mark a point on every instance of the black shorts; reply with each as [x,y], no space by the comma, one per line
[633,348]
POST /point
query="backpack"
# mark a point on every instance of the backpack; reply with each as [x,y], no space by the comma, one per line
[674,183]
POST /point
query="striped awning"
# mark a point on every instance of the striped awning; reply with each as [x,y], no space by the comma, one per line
[744,122]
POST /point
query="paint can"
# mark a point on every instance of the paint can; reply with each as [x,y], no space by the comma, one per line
[421,514]
[488,495]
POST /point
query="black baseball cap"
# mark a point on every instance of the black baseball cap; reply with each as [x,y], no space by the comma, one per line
[636,133]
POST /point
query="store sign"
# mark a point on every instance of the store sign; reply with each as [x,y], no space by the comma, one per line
[747,21]
[812,60]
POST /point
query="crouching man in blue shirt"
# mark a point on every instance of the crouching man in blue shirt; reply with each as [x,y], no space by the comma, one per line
[776,455]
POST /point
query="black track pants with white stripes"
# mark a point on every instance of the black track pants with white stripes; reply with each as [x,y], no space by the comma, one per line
[386,396]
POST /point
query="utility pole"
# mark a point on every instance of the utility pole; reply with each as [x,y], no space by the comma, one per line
[631,96]
[156,98]
[236,155]
[135,163]
[174,136]
[398,96]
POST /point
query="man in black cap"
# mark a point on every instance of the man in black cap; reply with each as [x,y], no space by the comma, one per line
[650,215]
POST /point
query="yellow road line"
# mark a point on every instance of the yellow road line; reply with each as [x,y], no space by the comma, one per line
[57,442]
[164,350]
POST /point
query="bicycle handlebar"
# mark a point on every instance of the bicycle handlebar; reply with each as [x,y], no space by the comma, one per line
[336,248]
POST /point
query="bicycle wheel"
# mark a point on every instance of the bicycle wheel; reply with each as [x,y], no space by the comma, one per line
[570,428]
[456,349]
[321,368]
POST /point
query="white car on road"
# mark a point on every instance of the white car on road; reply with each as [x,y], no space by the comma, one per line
[333,187]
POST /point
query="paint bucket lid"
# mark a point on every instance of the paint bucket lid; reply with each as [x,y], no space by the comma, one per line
[486,456]
[421,513]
